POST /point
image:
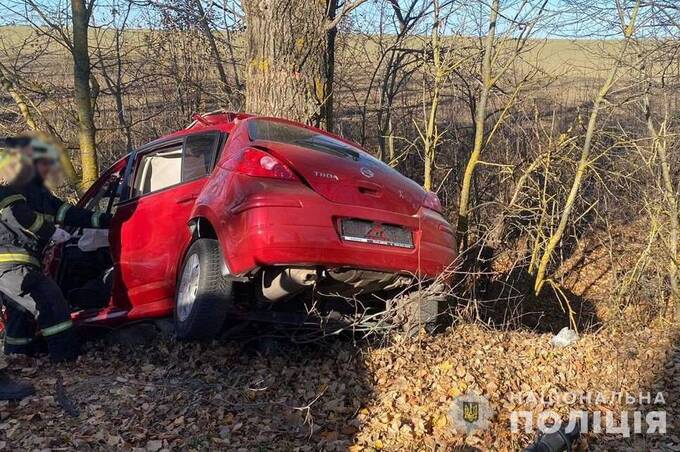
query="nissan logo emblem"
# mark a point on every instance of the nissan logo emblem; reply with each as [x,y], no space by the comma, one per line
[367,172]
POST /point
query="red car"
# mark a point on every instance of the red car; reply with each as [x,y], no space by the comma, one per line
[238,205]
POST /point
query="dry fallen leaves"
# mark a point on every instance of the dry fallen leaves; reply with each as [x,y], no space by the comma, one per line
[333,396]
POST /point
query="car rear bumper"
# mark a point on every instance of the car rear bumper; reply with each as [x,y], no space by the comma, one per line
[296,226]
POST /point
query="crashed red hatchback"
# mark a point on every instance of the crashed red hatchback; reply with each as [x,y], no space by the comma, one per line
[238,205]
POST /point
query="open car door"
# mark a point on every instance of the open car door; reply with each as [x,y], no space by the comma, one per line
[85,274]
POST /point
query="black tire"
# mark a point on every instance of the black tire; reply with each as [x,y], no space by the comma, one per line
[205,317]
[424,312]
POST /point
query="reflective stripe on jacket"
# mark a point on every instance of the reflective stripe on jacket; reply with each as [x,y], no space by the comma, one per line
[23,232]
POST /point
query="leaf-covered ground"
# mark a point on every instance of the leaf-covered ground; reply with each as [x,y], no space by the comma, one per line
[332,396]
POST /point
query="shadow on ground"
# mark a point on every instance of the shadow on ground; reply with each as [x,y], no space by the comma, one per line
[156,393]
[506,301]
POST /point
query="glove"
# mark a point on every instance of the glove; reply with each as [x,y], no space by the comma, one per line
[60,236]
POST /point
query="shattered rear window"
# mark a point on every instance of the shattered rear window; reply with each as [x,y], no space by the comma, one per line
[262,129]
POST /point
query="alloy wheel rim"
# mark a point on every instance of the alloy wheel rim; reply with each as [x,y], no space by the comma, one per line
[188,287]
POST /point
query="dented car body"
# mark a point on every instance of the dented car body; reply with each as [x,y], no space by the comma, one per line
[243,200]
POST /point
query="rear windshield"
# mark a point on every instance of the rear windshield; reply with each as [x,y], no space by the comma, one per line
[262,129]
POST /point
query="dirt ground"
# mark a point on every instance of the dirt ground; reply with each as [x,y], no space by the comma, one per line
[337,395]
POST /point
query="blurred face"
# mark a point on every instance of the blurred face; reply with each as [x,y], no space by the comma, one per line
[27,151]
[44,168]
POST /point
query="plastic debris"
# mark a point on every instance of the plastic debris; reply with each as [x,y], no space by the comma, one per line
[564,338]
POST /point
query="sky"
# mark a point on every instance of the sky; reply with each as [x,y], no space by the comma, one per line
[561,18]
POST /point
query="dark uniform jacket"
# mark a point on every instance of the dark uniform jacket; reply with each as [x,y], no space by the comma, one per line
[41,199]
[23,231]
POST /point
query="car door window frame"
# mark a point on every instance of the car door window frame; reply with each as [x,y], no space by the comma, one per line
[127,187]
[146,163]
[124,187]
[95,188]
[217,140]
[111,202]
[131,175]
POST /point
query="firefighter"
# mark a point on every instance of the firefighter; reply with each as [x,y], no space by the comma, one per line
[40,198]
[45,157]
[25,289]
[11,389]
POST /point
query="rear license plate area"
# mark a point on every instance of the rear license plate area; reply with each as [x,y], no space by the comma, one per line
[364,231]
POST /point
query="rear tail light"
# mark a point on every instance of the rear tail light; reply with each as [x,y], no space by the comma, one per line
[432,202]
[258,163]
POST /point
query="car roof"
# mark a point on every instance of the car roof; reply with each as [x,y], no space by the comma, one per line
[217,121]
[226,121]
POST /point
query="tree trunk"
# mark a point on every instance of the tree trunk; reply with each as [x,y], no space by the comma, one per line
[207,32]
[462,224]
[83,96]
[430,136]
[115,86]
[286,59]
[660,147]
[329,66]
[584,160]
[18,98]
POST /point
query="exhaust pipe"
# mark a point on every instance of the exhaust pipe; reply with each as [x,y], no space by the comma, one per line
[281,283]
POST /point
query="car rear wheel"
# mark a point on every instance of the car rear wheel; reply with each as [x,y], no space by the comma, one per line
[421,314]
[421,310]
[203,295]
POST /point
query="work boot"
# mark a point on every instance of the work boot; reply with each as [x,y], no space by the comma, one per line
[14,389]
[37,347]
[63,347]
[18,349]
